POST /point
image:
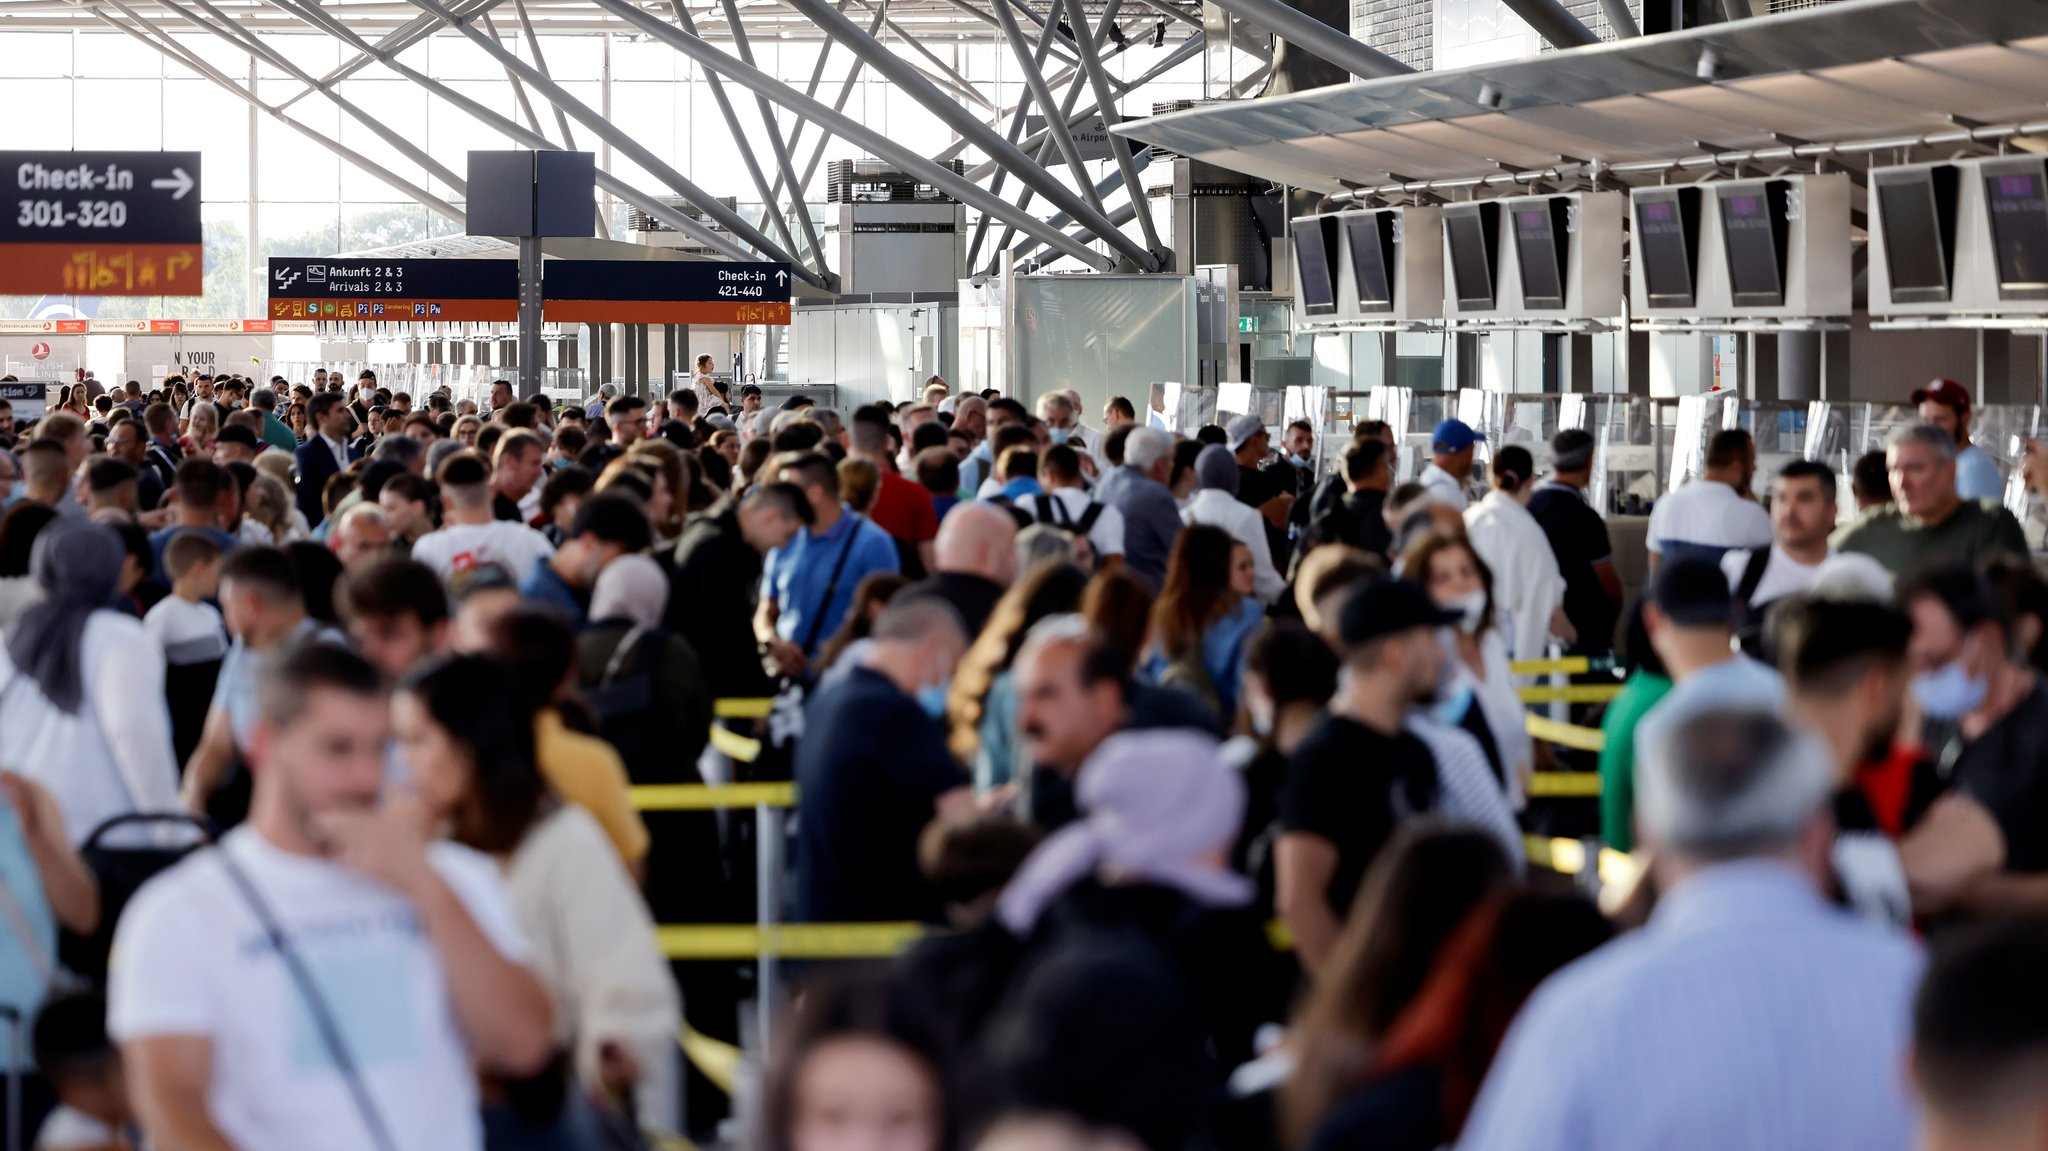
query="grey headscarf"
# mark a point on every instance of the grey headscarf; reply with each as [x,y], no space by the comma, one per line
[631,588]
[78,566]
[1216,468]
[1156,803]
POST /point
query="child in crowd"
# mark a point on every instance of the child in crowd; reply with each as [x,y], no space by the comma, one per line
[184,623]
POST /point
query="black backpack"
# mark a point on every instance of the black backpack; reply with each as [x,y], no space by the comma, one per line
[1052,511]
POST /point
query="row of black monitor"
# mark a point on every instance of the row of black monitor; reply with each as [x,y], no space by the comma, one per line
[1755,230]
[1916,207]
[1540,232]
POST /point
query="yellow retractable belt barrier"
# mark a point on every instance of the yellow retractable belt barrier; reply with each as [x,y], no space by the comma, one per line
[1577,693]
[788,940]
[1565,734]
[742,708]
[734,746]
[1569,665]
[718,1060]
[712,797]
[1569,856]
[1564,785]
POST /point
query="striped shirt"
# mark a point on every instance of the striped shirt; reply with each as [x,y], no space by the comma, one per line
[1748,1016]
[1466,789]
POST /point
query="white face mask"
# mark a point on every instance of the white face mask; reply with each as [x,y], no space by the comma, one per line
[1471,606]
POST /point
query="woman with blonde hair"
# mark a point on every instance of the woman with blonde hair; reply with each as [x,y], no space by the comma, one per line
[202,429]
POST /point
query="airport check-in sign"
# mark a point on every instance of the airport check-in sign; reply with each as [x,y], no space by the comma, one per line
[665,292]
[101,224]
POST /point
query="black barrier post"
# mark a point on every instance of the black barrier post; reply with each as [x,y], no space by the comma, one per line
[527,196]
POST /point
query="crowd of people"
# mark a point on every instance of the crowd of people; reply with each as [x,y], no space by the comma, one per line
[1206,767]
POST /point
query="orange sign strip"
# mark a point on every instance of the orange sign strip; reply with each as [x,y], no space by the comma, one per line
[664,312]
[394,311]
[102,269]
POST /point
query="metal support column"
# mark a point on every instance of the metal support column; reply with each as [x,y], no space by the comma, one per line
[625,143]
[1034,83]
[1620,18]
[1314,36]
[777,145]
[1017,117]
[914,83]
[1553,22]
[739,138]
[1120,148]
[908,159]
[529,315]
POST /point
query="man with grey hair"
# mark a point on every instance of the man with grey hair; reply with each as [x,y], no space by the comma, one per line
[1062,416]
[594,410]
[275,433]
[1138,490]
[1750,1012]
[1928,525]
[874,770]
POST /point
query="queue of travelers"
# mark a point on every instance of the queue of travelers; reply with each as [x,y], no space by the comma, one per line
[1198,771]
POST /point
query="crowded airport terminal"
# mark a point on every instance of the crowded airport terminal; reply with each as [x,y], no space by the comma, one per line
[1024,575]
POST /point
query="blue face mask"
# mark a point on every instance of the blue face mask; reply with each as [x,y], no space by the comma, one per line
[1949,692]
[932,698]
[1302,462]
[1450,709]
[1061,435]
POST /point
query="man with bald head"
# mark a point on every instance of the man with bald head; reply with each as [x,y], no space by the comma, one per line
[976,554]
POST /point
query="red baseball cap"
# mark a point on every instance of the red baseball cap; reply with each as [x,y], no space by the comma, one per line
[1947,392]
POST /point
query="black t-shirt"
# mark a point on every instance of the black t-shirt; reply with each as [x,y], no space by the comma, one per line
[1353,785]
[1256,486]
[1364,515]
[505,509]
[2006,770]
[1578,538]
[870,767]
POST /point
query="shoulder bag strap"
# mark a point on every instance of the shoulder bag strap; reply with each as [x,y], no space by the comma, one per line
[1752,576]
[817,622]
[323,1017]
[617,662]
[1086,523]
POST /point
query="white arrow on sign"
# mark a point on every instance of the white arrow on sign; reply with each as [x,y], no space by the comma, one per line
[179,179]
[781,277]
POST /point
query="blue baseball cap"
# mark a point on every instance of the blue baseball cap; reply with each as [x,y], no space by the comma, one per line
[1454,436]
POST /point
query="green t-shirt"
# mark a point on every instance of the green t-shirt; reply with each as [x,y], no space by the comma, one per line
[1906,546]
[1641,692]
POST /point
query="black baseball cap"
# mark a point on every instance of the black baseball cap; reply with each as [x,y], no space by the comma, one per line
[1691,591]
[1382,607]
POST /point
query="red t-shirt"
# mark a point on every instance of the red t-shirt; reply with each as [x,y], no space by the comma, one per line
[903,508]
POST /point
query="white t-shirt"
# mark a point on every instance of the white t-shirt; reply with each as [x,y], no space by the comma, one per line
[192,958]
[1107,533]
[1783,575]
[1707,518]
[1445,488]
[457,548]
[188,632]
